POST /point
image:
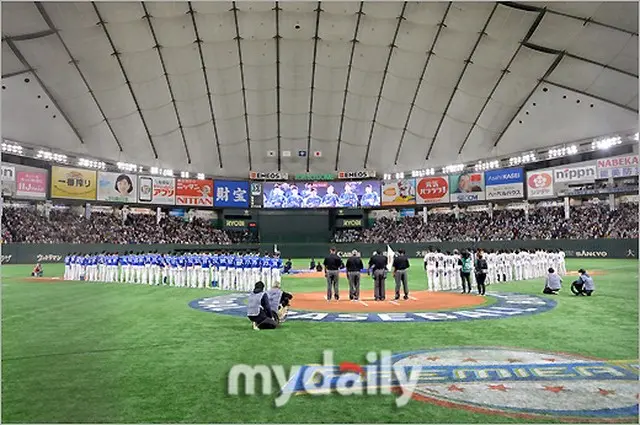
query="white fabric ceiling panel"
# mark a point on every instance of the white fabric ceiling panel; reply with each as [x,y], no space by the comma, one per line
[214,27]
[261,102]
[256,26]
[295,127]
[443,73]
[479,144]
[392,117]
[383,10]
[375,32]
[10,63]
[161,120]
[620,14]
[188,86]
[152,94]
[228,106]
[123,12]
[262,128]
[326,103]
[162,10]
[170,149]
[432,99]
[19,18]
[131,37]
[591,41]
[356,133]
[336,9]
[71,15]
[103,75]
[496,115]
[423,124]
[288,20]
[406,66]
[633,103]
[194,112]
[478,81]
[133,137]
[351,156]
[212,8]
[142,67]
[235,161]
[48,57]
[451,134]
[627,59]
[174,31]
[465,108]
[255,7]
[231,130]
[99,141]
[182,61]
[415,37]
[595,80]
[336,27]
[202,147]
[298,7]
[412,152]
[383,148]
[116,103]
[425,13]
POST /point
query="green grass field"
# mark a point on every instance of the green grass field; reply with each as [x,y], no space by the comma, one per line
[90,352]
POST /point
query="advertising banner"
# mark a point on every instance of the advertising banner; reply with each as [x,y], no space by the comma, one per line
[585,172]
[194,192]
[256,195]
[231,194]
[156,190]
[73,183]
[619,166]
[504,184]
[432,190]
[540,184]
[117,187]
[336,194]
[399,192]
[467,187]
[21,181]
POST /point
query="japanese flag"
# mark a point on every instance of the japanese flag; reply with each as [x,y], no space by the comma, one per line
[317,154]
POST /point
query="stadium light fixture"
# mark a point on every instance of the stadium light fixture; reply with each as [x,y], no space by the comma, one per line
[635,137]
[13,148]
[184,174]
[167,173]
[50,156]
[456,168]
[399,176]
[606,143]
[200,176]
[154,170]
[89,163]
[488,165]
[125,166]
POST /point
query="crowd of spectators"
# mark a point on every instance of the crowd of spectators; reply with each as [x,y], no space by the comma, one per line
[590,221]
[24,225]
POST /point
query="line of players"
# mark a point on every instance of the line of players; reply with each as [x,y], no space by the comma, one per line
[443,269]
[237,271]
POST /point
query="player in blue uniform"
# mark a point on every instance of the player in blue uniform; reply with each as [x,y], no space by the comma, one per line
[313,200]
[276,265]
[294,200]
[67,267]
[370,198]
[276,198]
[330,199]
[348,199]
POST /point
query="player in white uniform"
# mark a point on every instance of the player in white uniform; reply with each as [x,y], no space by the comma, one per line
[440,269]
[430,267]
[457,268]
[490,257]
[449,267]
[563,264]
[510,259]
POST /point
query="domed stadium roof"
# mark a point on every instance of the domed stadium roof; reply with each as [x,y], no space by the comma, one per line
[227,87]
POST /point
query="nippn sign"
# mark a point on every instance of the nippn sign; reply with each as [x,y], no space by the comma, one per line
[584,173]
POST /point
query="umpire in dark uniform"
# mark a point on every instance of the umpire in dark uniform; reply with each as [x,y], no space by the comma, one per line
[354,265]
[400,266]
[332,265]
[378,267]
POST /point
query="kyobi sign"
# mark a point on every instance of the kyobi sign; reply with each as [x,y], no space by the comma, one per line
[583,173]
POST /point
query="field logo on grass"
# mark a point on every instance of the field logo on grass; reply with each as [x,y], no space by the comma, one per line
[525,384]
[379,376]
[507,304]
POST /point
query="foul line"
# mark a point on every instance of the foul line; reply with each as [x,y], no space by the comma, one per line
[364,303]
[413,298]
[394,302]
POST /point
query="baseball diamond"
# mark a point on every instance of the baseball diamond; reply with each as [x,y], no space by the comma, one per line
[320,212]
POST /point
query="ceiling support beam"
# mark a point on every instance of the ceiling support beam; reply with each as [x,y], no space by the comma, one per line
[46,91]
[278,38]
[115,53]
[552,68]
[354,41]
[384,78]
[16,73]
[158,49]
[430,53]
[33,35]
[206,81]
[244,89]
[74,61]
[504,72]
[584,93]
[483,32]
[318,10]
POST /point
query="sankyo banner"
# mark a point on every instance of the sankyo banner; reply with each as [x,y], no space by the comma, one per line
[399,192]
[504,184]
[432,190]
[540,184]
[117,187]
[157,190]
[73,183]
[194,192]
[619,166]
[468,187]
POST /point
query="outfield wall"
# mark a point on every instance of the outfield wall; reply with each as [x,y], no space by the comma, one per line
[596,248]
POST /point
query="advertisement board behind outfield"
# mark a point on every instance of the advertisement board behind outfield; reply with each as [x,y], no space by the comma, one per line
[157,190]
[432,190]
[504,184]
[73,183]
[585,172]
[468,187]
[117,187]
[619,166]
[21,181]
[540,184]
[399,192]
[194,192]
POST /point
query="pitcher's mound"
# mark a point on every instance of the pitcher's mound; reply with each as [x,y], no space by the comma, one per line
[419,301]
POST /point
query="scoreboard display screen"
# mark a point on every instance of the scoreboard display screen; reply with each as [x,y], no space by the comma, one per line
[333,194]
